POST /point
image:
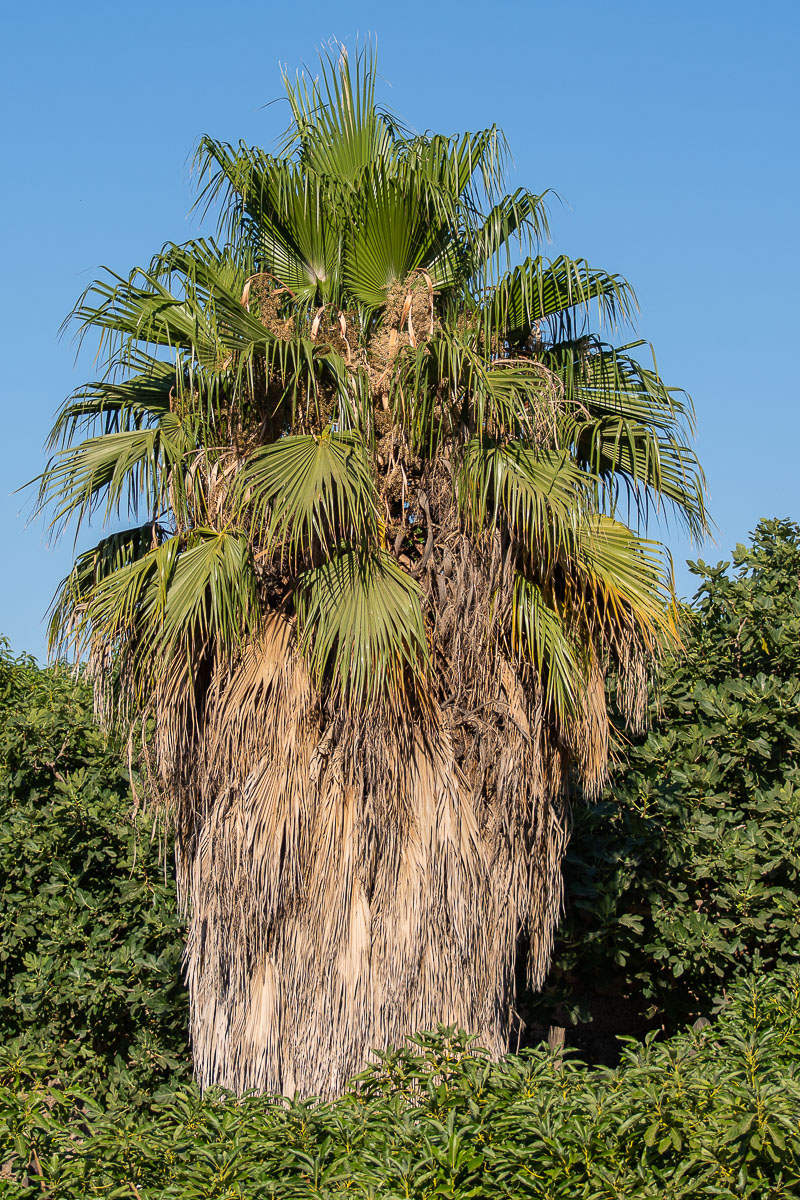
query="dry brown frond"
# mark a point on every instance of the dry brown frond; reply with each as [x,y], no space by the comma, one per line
[635,671]
[590,732]
[267,296]
[408,319]
[348,876]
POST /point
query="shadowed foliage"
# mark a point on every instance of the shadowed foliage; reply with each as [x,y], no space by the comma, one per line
[376,459]
[687,874]
[90,941]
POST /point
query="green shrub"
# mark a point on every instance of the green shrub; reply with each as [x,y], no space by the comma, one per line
[687,874]
[707,1114]
[90,943]
[683,899]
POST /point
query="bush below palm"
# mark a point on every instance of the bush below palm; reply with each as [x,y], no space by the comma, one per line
[704,1115]
[90,940]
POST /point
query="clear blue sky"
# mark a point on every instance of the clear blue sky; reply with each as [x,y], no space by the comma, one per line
[669,130]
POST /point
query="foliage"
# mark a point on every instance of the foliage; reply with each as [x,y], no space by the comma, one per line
[90,942]
[280,399]
[92,1102]
[687,875]
[364,736]
[708,1114]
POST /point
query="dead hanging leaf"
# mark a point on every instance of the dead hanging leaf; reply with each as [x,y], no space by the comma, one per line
[269,293]
[429,283]
[315,324]
[408,318]
[332,330]
[343,328]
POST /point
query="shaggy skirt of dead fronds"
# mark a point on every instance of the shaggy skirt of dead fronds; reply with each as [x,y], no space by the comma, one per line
[348,882]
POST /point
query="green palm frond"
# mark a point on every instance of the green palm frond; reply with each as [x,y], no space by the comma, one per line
[337,129]
[130,471]
[605,380]
[394,232]
[210,590]
[315,225]
[630,429]
[622,581]
[263,201]
[362,627]
[117,407]
[514,397]
[462,171]
[538,629]
[111,554]
[652,472]
[140,309]
[536,494]
[201,312]
[308,490]
[187,591]
[504,397]
[539,290]
[200,268]
[416,401]
[516,220]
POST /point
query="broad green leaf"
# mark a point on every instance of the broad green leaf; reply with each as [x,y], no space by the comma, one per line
[361,625]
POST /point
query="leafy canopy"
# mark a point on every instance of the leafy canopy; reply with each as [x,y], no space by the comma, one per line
[272,401]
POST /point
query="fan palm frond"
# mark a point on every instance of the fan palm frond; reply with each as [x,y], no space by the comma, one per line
[188,590]
[117,407]
[538,494]
[630,429]
[362,626]
[623,582]
[110,555]
[539,290]
[540,630]
[337,130]
[518,219]
[310,490]
[130,470]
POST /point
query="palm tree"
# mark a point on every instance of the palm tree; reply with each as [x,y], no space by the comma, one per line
[376,464]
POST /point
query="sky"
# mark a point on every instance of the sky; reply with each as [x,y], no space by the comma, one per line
[668,132]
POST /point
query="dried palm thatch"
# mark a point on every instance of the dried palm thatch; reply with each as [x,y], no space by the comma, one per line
[358,876]
[364,625]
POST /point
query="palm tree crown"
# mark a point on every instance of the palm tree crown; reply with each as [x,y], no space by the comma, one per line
[377,464]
